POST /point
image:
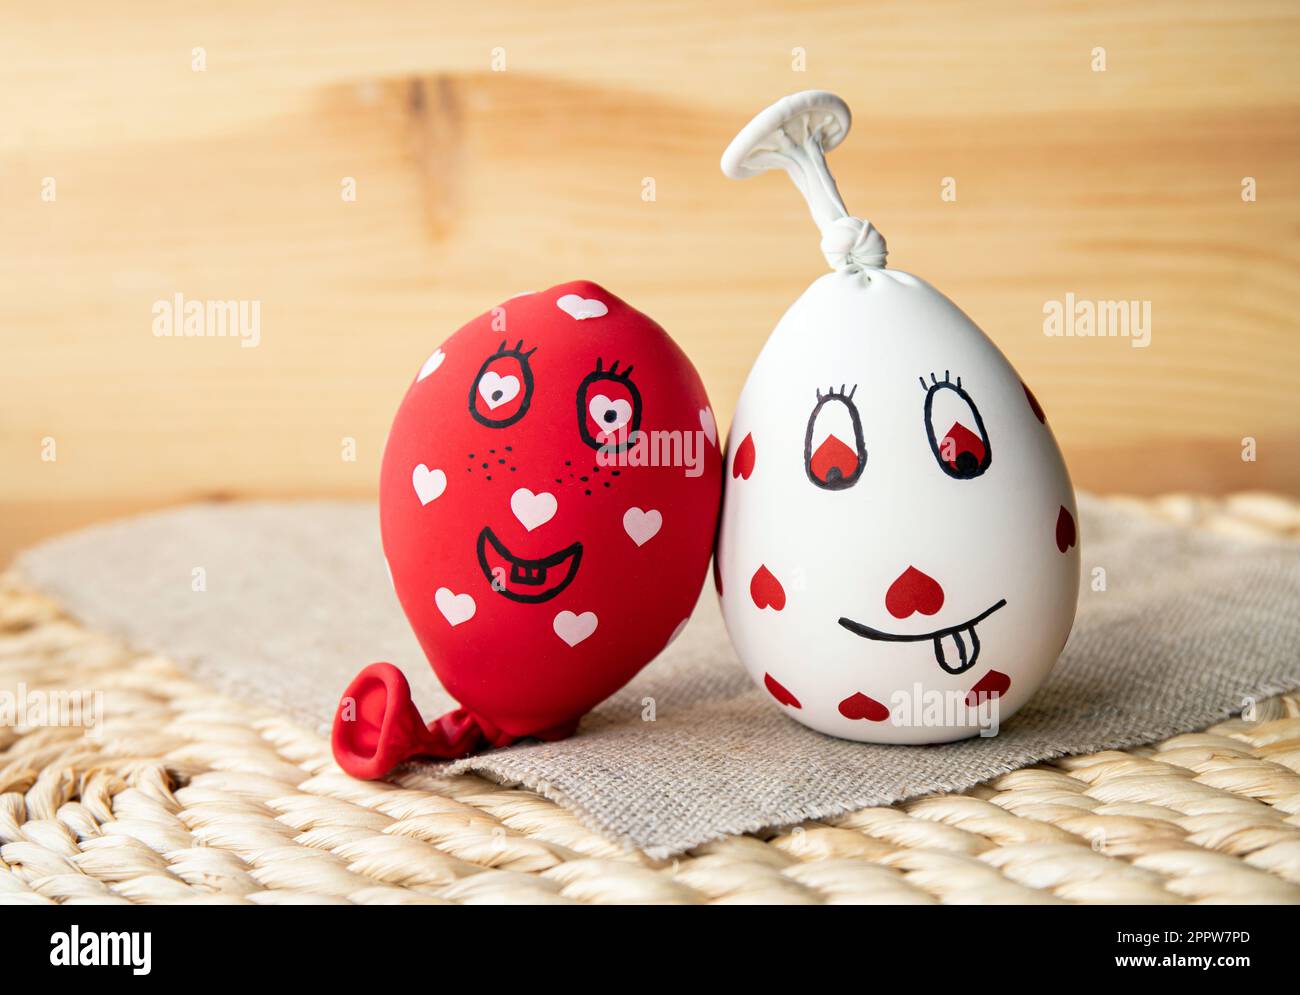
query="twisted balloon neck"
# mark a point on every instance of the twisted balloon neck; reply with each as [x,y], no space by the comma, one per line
[795,134]
[848,243]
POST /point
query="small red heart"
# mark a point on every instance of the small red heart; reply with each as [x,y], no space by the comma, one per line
[778,691]
[1065,533]
[1034,406]
[859,706]
[994,684]
[766,590]
[743,464]
[913,591]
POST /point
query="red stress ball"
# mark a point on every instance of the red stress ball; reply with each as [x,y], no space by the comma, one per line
[548,500]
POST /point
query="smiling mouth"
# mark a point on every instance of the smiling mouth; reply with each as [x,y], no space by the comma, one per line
[956,648]
[527,581]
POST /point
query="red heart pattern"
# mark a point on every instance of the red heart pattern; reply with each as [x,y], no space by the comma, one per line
[1034,406]
[1065,531]
[766,590]
[994,684]
[859,706]
[743,463]
[777,690]
[913,591]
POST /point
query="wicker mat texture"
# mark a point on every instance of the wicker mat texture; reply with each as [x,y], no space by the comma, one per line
[1188,629]
[188,796]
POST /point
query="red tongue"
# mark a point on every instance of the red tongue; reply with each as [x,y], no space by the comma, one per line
[833,454]
[994,684]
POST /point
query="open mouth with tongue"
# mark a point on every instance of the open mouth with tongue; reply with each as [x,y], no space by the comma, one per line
[956,648]
[527,581]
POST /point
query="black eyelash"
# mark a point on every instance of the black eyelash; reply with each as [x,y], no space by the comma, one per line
[518,354]
[613,370]
[844,397]
[832,392]
[602,375]
[935,387]
[935,381]
[516,350]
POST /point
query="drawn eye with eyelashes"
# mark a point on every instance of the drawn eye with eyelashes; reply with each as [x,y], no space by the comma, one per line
[834,451]
[955,429]
[503,388]
[609,408]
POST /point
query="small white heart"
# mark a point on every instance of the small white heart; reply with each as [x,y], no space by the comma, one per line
[572,628]
[600,406]
[428,484]
[497,390]
[642,526]
[709,425]
[431,364]
[455,608]
[581,308]
[532,509]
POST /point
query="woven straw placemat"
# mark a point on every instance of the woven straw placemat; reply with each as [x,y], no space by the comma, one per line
[187,796]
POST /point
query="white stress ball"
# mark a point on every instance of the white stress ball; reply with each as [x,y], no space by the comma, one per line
[898,558]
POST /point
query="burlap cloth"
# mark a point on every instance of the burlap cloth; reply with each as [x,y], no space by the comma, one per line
[1191,628]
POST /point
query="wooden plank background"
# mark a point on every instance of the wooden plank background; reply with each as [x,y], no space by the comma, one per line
[474,184]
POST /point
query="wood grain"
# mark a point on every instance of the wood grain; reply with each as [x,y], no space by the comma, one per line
[473,185]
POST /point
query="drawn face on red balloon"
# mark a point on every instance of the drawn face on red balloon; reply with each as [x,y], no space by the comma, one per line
[541,548]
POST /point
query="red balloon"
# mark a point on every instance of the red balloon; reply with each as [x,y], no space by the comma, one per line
[548,500]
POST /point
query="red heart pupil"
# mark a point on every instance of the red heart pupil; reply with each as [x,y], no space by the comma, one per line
[833,460]
[958,441]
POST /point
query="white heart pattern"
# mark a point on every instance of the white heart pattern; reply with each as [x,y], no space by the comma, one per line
[428,484]
[497,390]
[532,509]
[709,425]
[455,608]
[599,408]
[572,628]
[642,526]
[431,364]
[581,308]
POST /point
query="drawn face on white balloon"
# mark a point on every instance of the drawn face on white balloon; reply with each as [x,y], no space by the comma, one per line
[898,557]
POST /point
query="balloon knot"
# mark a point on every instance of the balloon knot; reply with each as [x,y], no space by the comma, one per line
[853,244]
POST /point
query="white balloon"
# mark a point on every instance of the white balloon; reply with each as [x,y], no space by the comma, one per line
[895,510]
